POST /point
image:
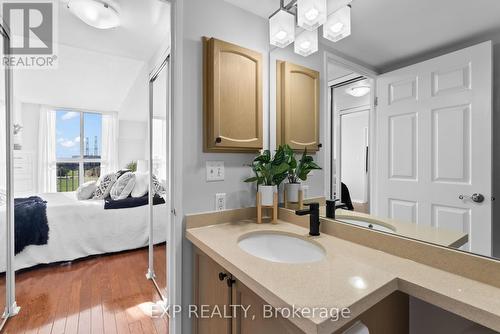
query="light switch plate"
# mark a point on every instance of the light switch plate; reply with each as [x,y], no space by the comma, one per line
[220,201]
[215,171]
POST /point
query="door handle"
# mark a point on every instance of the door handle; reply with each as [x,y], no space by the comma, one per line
[476,197]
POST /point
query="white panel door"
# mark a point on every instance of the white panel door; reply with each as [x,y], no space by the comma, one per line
[434,144]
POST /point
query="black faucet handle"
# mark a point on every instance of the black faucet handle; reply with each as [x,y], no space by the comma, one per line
[312,205]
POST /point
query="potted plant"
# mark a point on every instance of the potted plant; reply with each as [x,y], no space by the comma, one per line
[297,171]
[269,173]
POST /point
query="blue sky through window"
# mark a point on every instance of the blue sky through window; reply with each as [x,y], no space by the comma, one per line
[68,134]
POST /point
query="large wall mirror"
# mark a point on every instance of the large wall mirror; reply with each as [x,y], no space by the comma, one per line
[407,126]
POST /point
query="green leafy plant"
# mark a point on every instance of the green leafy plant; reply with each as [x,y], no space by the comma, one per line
[298,171]
[269,170]
[132,166]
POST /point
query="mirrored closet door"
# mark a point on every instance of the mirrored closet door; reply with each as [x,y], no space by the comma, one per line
[159,183]
[5,231]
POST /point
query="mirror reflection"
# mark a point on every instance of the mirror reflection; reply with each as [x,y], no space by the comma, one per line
[3,186]
[406,135]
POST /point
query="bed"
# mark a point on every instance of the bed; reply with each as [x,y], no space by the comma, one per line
[81,228]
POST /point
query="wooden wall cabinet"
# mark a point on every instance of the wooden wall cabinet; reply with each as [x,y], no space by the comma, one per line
[232,103]
[390,316]
[297,106]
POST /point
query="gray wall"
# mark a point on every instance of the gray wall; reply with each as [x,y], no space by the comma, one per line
[213,18]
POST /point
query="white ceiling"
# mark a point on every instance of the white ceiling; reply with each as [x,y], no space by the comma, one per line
[389,32]
[145,26]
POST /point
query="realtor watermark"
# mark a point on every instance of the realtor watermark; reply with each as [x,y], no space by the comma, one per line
[32,28]
[161,310]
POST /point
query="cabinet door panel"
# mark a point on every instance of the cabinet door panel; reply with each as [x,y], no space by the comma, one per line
[300,106]
[242,295]
[234,101]
[209,290]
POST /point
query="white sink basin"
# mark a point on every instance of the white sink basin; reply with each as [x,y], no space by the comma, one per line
[368,224]
[283,248]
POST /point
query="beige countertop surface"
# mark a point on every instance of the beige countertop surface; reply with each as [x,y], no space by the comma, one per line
[351,275]
[443,237]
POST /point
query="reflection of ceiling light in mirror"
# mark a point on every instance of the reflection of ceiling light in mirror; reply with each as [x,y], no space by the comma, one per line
[95,13]
[338,24]
[358,282]
[306,43]
[282,29]
[358,91]
[311,13]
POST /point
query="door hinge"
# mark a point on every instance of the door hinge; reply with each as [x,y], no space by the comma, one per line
[376,101]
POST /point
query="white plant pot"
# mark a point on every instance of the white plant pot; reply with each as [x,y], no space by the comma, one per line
[267,194]
[292,192]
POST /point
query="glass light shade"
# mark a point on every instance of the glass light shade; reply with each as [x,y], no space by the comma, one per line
[311,13]
[95,13]
[306,43]
[358,91]
[338,25]
[282,29]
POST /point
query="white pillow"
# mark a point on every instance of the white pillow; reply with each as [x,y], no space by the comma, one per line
[141,187]
[123,186]
[86,190]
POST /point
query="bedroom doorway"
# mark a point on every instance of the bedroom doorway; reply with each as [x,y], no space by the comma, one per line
[160,164]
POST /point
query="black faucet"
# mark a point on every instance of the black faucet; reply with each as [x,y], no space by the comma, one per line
[313,213]
[332,206]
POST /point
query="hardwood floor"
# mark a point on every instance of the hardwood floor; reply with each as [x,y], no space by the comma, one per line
[105,294]
[160,264]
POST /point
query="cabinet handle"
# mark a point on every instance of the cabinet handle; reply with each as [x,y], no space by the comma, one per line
[218,140]
[320,145]
[230,281]
[222,276]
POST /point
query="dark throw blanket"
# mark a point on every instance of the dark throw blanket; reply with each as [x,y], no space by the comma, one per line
[31,225]
[131,202]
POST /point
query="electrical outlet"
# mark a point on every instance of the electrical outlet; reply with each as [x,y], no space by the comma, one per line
[215,171]
[220,201]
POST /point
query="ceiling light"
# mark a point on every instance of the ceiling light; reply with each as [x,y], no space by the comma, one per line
[358,91]
[338,24]
[306,43]
[95,13]
[311,13]
[282,28]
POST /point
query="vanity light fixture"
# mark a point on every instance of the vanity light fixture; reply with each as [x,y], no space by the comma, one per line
[338,24]
[358,91]
[95,13]
[282,28]
[311,14]
[306,43]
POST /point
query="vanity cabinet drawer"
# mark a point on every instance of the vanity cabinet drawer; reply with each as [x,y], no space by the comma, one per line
[232,104]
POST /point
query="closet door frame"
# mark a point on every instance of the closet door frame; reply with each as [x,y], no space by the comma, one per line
[162,66]
[11,308]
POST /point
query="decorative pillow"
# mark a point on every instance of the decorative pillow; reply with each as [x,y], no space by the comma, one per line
[158,187]
[123,186]
[141,187]
[86,190]
[104,185]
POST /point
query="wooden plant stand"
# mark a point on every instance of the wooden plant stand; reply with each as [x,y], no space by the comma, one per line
[294,205]
[274,207]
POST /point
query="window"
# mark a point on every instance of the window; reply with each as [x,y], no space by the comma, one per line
[78,148]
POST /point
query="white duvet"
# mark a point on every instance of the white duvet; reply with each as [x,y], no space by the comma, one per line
[81,228]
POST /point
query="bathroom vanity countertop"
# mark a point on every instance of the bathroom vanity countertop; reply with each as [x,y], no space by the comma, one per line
[443,237]
[351,275]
